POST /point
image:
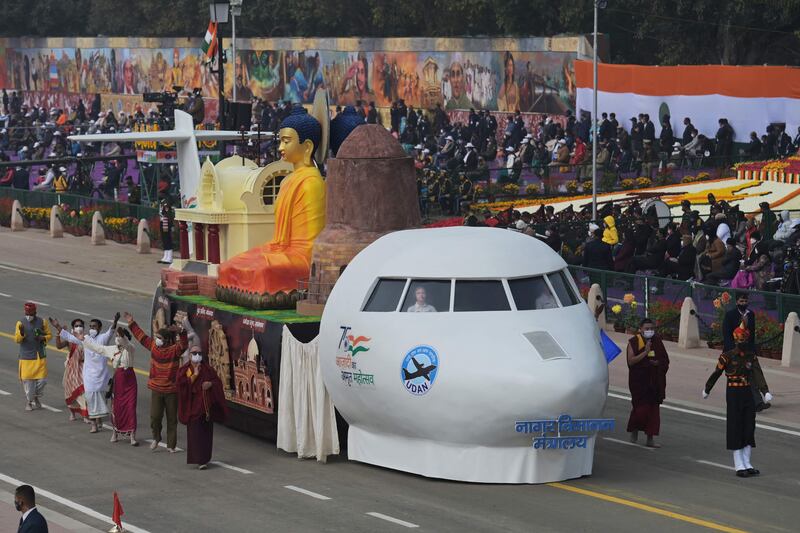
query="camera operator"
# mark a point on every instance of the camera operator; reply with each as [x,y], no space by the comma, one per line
[196,107]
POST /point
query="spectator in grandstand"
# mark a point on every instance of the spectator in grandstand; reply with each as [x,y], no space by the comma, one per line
[681,265]
[626,252]
[786,228]
[597,253]
[730,265]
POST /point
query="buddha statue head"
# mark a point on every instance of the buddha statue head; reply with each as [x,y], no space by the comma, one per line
[299,136]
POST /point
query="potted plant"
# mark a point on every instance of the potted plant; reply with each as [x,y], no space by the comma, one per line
[626,320]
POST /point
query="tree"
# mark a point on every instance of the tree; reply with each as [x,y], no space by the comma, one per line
[645,32]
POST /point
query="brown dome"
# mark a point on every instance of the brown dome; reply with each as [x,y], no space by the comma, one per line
[370,141]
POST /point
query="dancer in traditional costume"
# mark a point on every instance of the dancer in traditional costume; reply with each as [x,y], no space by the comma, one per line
[742,369]
[201,402]
[95,370]
[125,391]
[73,374]
[32,335]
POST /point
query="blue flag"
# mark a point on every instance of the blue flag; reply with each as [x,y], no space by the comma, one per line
[610,348]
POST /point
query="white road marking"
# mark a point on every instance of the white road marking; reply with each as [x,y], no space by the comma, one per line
[60,278]
[5,295]
[4,393]
[306,492]
[231,467]
[53,409]
[150,441]
[710,415]
[76,312]
[726,467]
[393,520]
[72,505]
[39,303]
[627,443]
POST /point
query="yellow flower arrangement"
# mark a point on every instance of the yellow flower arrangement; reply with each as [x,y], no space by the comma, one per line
[616,309]
[572,186]
[688,179]
[587,186]
[627,183]
[36,213]
[643,182]
[775,165]
[532,189]
[522,202]
[511,188]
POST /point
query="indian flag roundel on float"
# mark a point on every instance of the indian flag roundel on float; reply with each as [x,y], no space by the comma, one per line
[749,97]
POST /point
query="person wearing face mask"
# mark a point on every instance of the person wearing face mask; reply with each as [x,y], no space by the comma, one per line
[743,373]
[95,369]
[201,402]
[125,390]
[165,358]
[73,373]
[32,334]
[648,364]
[25,502]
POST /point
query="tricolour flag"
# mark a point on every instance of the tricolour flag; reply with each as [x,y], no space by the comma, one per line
[750,97]
[210,41]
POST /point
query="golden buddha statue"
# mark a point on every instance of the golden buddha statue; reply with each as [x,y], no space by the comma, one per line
[267,276]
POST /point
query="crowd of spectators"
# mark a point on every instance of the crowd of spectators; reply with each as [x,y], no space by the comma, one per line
[727,247]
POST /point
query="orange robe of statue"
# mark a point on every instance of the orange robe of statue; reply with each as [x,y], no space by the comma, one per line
[279,264]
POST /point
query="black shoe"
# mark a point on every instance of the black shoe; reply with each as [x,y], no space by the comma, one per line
[753,471]
[742,473]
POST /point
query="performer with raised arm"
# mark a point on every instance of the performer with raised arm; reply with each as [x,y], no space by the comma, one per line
[165,357]
[73,373]
[95,369]
[124,390]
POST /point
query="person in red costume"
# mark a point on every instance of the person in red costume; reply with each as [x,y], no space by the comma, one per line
[201,402]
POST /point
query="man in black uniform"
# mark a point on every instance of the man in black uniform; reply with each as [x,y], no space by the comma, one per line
[743,371]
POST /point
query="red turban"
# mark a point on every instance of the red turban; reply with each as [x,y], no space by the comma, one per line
[30,308]
[741,334]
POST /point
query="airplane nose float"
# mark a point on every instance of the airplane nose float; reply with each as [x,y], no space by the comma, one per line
[443,348]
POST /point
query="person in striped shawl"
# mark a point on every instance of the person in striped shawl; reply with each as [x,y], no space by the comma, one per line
[165,348]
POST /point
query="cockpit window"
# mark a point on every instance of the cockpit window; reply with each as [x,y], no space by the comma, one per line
[483,295]
[532,293]
[562,286]
[427,296]
[385,295]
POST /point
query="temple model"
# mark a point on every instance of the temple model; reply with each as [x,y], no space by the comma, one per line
[267,276]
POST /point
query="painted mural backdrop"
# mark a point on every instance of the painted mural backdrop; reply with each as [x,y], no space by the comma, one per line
[537,82]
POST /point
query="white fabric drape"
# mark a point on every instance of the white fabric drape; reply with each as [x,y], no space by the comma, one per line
[306,418]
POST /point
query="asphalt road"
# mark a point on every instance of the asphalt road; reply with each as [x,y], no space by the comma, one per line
[632,488]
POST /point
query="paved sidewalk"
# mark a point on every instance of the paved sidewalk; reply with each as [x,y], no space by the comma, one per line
[112,264]
[689,370]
